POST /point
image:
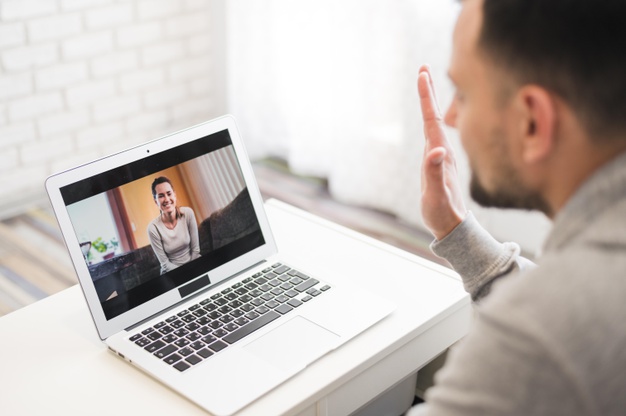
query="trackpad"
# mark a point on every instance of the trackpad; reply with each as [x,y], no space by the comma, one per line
[294,344]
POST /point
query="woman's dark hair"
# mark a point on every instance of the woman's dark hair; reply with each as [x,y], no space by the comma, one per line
[574,48]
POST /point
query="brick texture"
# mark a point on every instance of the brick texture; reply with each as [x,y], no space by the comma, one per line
[80,79]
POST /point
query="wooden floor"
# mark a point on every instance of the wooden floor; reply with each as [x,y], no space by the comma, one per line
[34,263]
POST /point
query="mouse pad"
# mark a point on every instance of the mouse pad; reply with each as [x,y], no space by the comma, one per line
[294,344]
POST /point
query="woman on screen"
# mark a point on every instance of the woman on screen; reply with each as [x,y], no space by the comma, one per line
[174,233]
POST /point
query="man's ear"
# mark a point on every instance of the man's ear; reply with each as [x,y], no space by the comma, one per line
[537,123]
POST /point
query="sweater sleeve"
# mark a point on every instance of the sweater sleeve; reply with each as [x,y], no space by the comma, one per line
[478,257]
[157,247]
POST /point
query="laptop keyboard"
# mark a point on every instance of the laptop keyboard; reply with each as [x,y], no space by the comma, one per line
[194,334]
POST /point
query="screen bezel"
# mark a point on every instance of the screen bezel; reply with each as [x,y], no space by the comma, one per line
[55,183]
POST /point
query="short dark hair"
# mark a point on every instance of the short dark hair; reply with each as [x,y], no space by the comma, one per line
[574,48]
[158,181]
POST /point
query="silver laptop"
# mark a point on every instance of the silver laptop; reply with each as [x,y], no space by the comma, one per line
[176,259]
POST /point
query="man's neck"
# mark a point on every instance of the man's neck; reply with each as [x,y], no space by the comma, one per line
[574,170]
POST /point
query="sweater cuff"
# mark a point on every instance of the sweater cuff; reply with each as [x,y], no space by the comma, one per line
[475,254]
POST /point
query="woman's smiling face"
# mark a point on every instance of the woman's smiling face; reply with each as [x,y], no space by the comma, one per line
[165,198]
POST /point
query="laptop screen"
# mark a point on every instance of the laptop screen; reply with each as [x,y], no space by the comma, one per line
[160,222]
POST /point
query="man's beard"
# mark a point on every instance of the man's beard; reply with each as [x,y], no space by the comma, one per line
[510,193]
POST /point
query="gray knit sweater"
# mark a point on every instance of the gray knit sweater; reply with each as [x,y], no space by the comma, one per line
[175,247]
[547,340]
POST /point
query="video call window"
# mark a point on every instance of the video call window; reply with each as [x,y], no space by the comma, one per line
[151,234]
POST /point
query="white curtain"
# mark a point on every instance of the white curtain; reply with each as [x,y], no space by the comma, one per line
[330,85]
[214,180]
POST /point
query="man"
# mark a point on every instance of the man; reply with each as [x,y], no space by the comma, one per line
[540,106]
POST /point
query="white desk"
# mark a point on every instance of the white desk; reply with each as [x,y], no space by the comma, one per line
[52,362]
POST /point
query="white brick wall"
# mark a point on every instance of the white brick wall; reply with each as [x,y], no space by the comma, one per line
[83,78]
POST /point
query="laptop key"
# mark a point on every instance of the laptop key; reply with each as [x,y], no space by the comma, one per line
[281,270]
[292,293]
[296,281]
[181,366]
[302,276]
[198,345]
[241,321]
[230,327]
[166,330]
[188,318]
[171,359]
[203,321]
[215,324]
[281,299]
[218,346]
[261,310]
[236,313]
[204,353]
[185,351]
[272,304]
[220,332]
[247,307]
[142,342]
[204,331]
[164,352]
[193,359]
[194,336]
[306,285]
[255,293]
[177,324]
[210,307]
[250,327]
[192,326]
[154,335]
[155,346]
[182,342]
[251,315]
[283,309]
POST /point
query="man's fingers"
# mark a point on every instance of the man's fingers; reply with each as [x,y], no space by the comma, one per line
[433,121]
[430,110]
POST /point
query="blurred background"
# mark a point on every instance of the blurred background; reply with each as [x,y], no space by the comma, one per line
[323,90]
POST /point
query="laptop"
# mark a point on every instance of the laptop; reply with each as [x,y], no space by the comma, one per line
[182,276]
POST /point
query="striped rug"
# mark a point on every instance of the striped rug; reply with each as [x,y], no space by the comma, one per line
[34,262]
